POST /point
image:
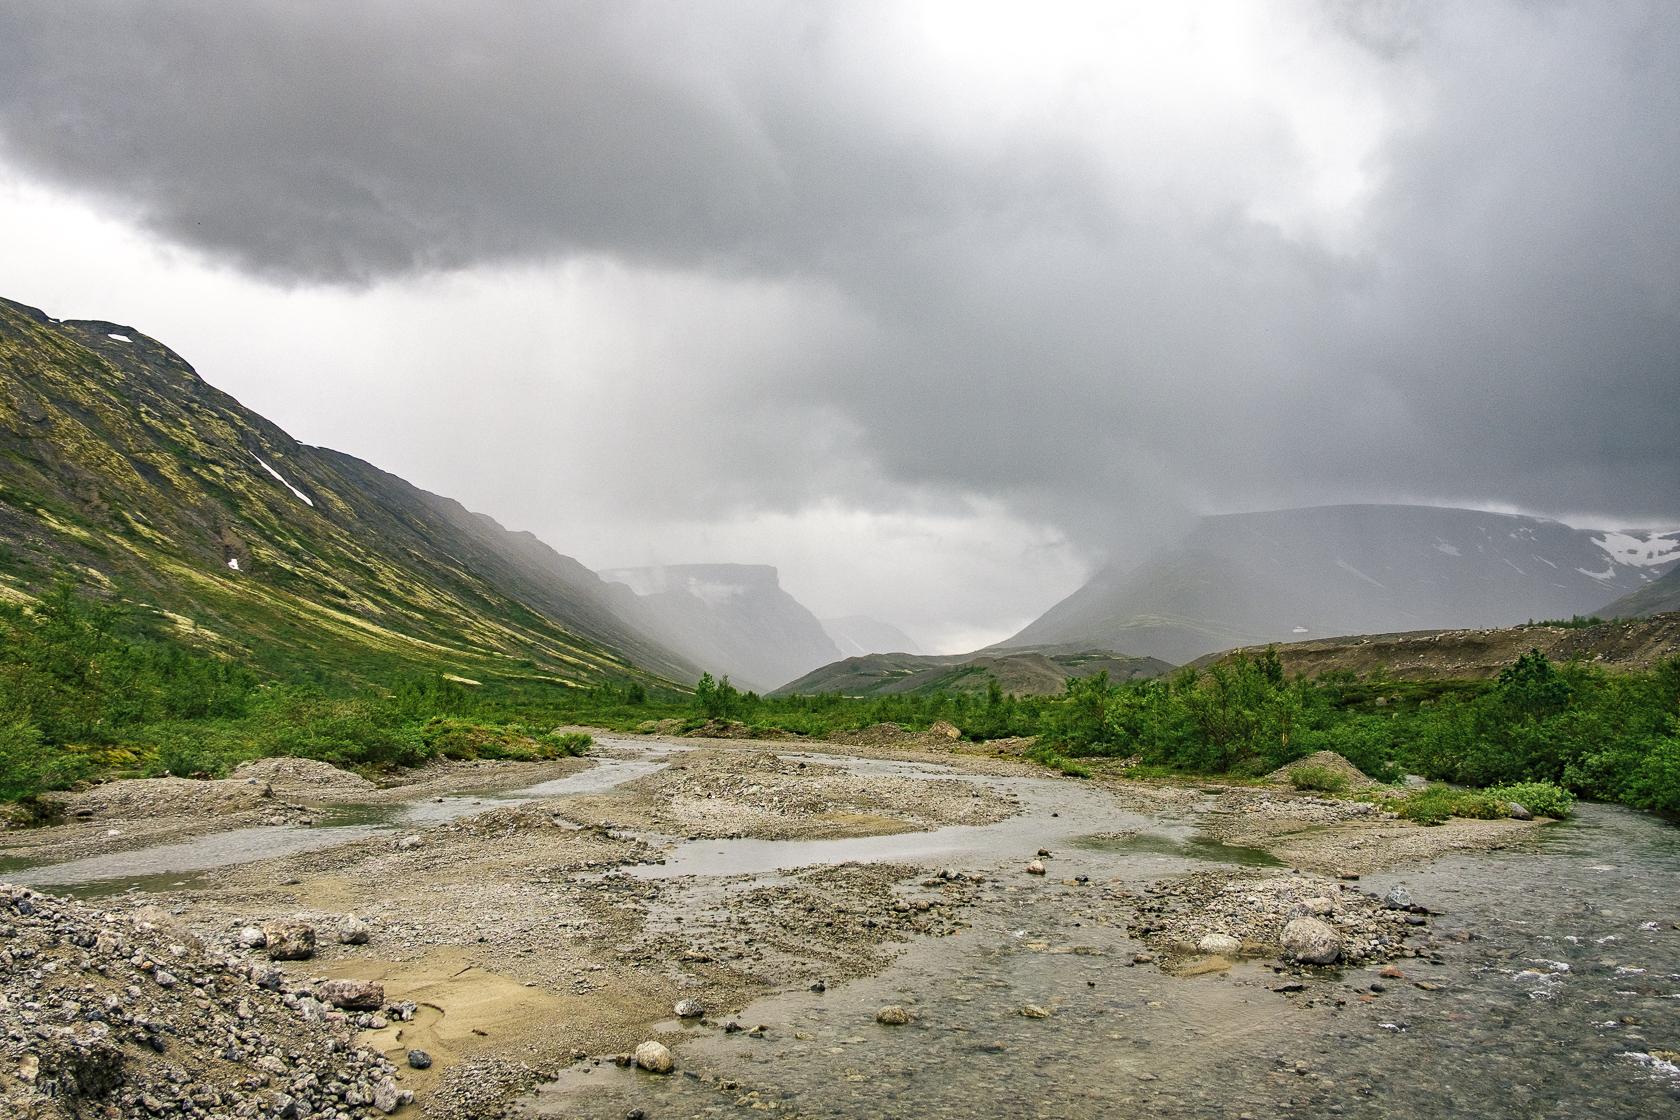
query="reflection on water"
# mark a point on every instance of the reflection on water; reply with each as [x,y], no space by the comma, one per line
[1199,848]
[1558,960]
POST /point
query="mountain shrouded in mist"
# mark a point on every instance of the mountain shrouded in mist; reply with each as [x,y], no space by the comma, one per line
[732,619]
[1287,575]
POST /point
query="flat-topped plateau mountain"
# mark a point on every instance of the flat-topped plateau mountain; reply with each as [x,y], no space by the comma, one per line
[122,469]
[1022,674]
[1252,578]
[732,619]
[1626,645]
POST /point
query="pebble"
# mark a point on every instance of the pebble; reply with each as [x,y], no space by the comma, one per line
[893,1015]
[353,931]
[419,1059]
[690,1009]
[1392,973]
[1398,898]
[1035,868]
[1033,1011]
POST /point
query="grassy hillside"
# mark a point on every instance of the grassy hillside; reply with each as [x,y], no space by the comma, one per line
[122,471]
[1658,597]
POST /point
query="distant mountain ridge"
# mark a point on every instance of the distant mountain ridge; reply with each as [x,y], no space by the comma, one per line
[120,466]
[1033,673]
[859,635]
[732,619]
[1289,575]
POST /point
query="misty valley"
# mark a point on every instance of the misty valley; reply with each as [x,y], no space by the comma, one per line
[325,796]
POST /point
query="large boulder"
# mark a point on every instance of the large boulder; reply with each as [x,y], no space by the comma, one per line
[1311,941]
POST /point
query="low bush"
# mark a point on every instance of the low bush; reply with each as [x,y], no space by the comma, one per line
[1543,799]
[1320,778]
[1437,803]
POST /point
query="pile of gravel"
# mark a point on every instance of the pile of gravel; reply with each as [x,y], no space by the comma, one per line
[1325,760]
[1177,917]
[123,1013]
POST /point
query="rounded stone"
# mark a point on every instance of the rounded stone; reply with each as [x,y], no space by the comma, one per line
[893,1016]
[1035,868]
[1219,945]
[654,1057]
[690,1009]
[419,1059]
[1311,941]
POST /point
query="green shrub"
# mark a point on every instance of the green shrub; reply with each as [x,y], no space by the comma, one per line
[576,742]
[1046,755]
[1319,778]
[28,766]
[1543,799]
[1437,803]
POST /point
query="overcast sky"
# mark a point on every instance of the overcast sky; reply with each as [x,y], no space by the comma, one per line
[935,306]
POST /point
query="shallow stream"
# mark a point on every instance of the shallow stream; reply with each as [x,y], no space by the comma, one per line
[1554,994]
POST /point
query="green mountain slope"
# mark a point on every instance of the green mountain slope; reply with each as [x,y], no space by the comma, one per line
[1032,673]
[1657,597]
[121,468]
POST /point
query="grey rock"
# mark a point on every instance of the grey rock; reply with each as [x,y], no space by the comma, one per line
[419,1059]
[164,979]
[1219,945]
[252,938]
[893,1015]
[1035,868]
[353,931]
[385,1095]
[1398,898]
[690,1009]
[1311,941]
[1518,812]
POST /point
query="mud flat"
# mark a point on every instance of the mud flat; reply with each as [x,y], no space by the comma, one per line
[790,889]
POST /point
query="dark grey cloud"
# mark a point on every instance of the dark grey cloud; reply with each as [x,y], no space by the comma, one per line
[1100,312]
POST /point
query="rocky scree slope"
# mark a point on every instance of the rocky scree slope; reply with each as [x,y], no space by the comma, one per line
[119,462]
[124,1013]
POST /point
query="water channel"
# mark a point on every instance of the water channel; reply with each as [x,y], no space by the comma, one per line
[1552,992]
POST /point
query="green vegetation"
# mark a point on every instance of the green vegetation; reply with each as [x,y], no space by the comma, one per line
[1578,622]
[88,689]
[1320,778]
[1542,732]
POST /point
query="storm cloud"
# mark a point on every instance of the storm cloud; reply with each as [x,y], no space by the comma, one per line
[1098,268]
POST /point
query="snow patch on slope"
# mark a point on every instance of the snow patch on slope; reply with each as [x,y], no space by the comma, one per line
[1640,549]
[282,480]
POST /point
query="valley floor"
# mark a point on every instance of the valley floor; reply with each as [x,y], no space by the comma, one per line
[535,933]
